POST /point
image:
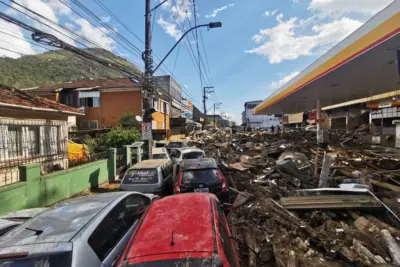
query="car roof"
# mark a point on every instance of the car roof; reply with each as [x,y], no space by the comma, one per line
[205,163]
[159,150]
[61,222]
[150,163]
[189,149]
[185,217]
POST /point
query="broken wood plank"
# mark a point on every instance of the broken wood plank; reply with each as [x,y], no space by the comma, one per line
[392,246]
[382,225]
[292,259]
[251,244]
[385,185]
[316,166]
[329,202]
[324,176]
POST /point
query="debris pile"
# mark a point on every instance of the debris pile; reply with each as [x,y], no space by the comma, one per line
[296,204]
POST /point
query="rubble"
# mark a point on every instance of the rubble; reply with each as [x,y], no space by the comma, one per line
[334,226]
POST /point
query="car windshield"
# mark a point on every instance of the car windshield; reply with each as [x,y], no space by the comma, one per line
[200,176]
[141,176]
[160,156]
[53,260]
[198,262]
[175,145]
[193,155]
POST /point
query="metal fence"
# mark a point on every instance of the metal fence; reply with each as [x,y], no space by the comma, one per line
[120,158]
[25,141]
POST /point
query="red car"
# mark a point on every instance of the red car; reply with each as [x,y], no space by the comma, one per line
[182,230]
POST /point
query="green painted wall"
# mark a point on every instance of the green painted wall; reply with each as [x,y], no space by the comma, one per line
[35,190]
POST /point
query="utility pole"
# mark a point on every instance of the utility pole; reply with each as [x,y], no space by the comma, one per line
[216,106]
[206,90]
[147,97]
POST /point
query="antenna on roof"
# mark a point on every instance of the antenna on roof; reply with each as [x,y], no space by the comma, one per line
[172,239]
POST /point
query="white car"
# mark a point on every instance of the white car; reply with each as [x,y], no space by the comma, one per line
[160,153]
[179,154]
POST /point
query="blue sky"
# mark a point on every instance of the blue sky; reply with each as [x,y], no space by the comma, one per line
[262,43]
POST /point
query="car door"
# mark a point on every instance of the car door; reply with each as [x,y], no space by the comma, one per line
[109,239]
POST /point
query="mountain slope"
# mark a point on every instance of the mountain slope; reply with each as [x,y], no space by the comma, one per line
[58,67]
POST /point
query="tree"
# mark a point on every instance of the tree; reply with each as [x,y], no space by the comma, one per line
[128,120]
[118,137]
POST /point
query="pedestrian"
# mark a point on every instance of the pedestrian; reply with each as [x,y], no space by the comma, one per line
[272,129]
[278,129]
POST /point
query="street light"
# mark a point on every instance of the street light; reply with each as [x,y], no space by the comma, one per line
[210,25]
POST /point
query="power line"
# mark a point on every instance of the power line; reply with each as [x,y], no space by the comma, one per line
[43,23]
[136,51]
[12,51]
[109,12]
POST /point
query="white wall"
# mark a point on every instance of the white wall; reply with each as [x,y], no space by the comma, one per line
[261,121]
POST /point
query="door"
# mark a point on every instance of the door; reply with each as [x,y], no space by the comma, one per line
[111,236]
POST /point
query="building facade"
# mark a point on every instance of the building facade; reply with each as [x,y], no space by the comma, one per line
[32,130]
[104,102]
[257,121]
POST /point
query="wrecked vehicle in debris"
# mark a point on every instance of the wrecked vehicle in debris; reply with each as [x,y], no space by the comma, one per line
[202,176]
[298,204]
[182,230]
[149,176]
[89,231]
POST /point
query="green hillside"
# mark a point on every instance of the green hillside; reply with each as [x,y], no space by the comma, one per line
[57,67]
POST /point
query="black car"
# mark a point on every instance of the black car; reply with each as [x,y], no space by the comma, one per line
[201,175]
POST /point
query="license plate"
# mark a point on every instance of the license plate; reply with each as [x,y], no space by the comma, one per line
[201,190]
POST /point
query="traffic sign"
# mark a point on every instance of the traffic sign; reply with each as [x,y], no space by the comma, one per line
[147,131]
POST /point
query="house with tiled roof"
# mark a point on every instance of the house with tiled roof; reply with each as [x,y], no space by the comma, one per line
[105,101]
[32,130]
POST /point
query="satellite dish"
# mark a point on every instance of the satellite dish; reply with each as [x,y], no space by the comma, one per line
[138,118]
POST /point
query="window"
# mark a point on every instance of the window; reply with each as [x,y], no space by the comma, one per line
[155,104]
[164,107]
[14,141]
[226,244]
[90,102]
[251,106]
[116,224]
[141,176]
[69,100]
[59,259]
[32,141]
[193,155]
[200,176]
[89,124]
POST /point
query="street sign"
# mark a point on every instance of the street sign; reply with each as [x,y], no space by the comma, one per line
[147,131]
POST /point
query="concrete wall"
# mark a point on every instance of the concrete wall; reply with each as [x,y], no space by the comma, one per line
[35,190]
[112,106]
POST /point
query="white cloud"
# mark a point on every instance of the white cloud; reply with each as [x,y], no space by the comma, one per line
[12,43]
[368,7]
[105,19]
[271,13]
[214,13]
[180,9]
[97,35]
[286,41]
[277,84]
[170,28]
[50,9]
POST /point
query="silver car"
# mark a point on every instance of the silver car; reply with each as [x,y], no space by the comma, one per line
[160,153]
[179,154]
[87,231]
[149,176]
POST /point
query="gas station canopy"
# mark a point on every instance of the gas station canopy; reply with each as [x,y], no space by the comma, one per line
[364,64]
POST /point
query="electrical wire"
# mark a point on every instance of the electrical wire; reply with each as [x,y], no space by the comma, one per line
[110,13]
[12,51]
[54,23]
